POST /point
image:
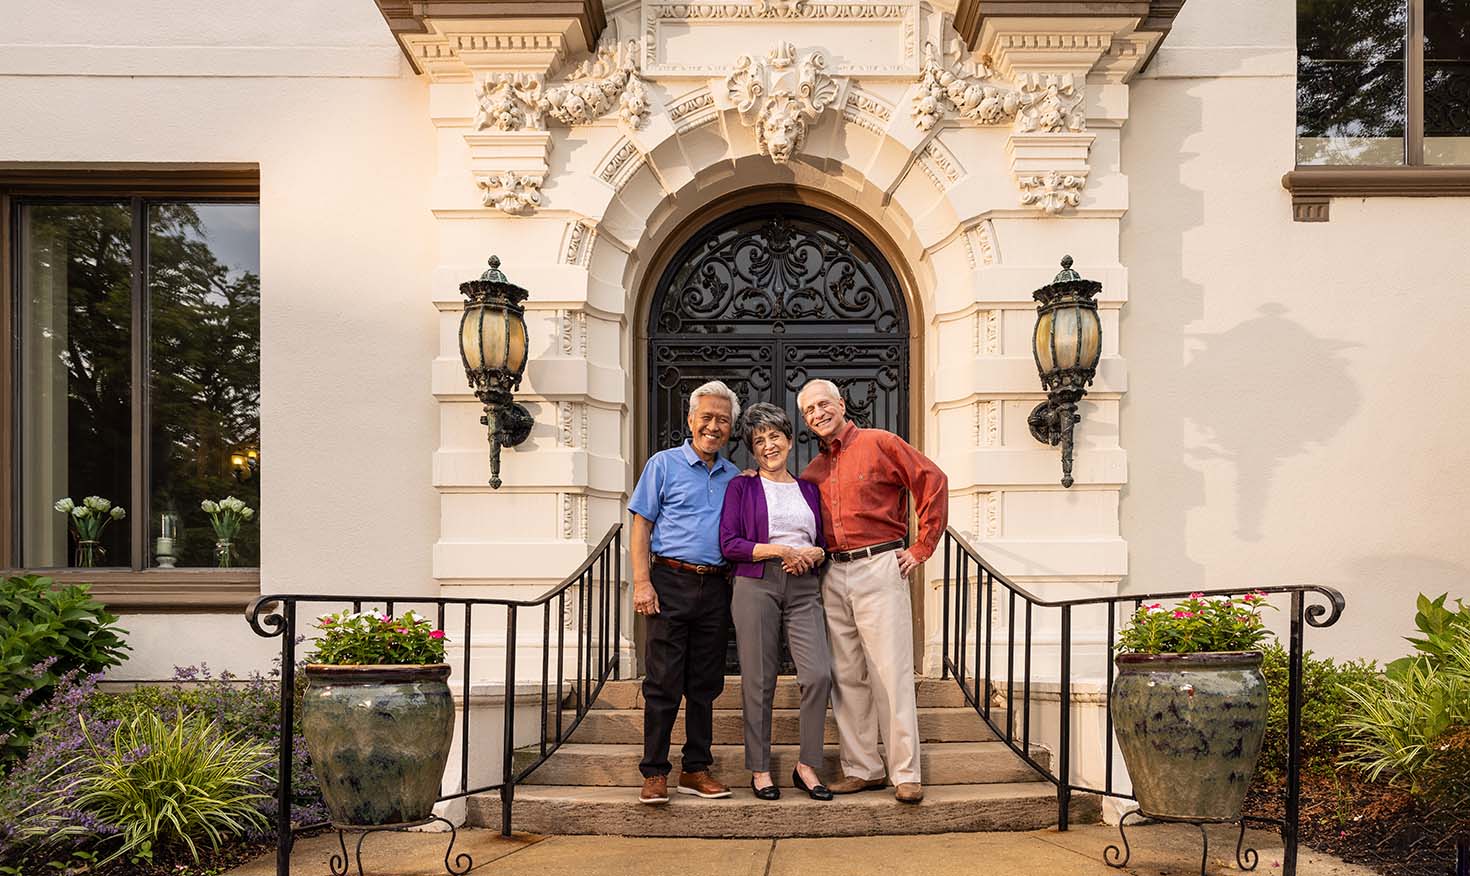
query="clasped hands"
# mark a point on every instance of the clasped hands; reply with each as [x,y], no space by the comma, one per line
[799,561]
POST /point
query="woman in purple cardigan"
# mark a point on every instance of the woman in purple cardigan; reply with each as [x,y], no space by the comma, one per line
[771,529]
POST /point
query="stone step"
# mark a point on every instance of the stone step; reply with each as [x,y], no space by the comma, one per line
[946,763]
[625,726]
[628,694]
[558,809]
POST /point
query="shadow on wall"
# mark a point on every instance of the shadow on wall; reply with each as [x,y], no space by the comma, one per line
[1385,587]
[1269,390]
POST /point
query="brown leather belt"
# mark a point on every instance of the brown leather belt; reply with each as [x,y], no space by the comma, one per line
[696,568]
[864,553]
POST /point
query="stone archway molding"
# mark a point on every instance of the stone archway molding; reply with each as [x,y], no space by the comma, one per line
[1044,77]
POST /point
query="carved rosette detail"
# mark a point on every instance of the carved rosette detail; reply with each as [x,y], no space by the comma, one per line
[779,101]
[513,193]
[1053,192]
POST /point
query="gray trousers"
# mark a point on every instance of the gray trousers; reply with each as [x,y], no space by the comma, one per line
[758,605]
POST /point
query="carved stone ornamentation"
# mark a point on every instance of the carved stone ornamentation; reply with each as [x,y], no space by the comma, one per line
[1050,102]
[508,102]
[599,84]
[780,98]
[606,82]
[1053,192]
[1039,102]
[511,192]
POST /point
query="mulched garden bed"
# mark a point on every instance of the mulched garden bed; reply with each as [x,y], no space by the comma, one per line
[1363,822]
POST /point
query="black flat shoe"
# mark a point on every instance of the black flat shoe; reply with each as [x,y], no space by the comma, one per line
[816,792]
[769,792]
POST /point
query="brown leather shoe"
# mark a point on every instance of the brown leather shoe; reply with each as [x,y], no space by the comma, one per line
[850,785]
[655,790]
[909,792]
[702,784]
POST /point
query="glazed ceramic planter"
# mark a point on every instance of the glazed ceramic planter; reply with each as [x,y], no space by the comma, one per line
[379,738]
[1190,727]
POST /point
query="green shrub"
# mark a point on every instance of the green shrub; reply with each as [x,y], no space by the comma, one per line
[1397,725]
[163,783]
[1442,629]
[1324,708]
[46,632]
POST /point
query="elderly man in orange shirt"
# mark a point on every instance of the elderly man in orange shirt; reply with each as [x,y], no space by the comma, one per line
[863,476]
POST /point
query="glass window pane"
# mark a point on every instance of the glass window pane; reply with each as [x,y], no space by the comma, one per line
[75,423]
[204,343]
[1447,82]
[1350,94]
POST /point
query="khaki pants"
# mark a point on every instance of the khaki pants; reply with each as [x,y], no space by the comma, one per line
[872,637]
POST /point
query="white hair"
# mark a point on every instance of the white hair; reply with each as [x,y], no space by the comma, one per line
[822,382]
[717,389]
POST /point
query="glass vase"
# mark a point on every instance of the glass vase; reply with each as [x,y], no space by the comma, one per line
[224,553]
[89,551]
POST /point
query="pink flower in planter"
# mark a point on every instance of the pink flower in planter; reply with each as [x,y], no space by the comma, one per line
[326,620]
[1181,613]
[387,619]
[1196,596]
[436,634]
[1255,596]
[399,630]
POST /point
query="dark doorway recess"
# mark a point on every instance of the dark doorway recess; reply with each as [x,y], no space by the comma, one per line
[766,298]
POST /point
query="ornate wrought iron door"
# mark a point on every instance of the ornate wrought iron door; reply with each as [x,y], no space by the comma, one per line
[765,299]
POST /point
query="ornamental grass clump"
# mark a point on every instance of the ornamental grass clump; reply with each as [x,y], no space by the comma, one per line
[162,784]
[1196,625]
[366,637]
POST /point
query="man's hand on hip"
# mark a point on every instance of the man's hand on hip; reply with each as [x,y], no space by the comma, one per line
[906,562]
[645,598]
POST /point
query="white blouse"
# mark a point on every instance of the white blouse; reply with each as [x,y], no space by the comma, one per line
[791,519]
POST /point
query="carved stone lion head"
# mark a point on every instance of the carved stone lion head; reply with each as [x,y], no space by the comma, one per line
[781,127]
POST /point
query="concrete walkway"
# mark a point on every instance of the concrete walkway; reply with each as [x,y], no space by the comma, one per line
[1158,850]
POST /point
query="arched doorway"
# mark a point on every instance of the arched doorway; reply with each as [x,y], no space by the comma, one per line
[766,298]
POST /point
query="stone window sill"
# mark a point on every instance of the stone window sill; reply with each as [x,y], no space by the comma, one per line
[203,591]
[1313,188]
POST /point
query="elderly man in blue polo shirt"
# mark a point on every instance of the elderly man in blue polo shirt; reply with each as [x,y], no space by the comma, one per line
[681,584]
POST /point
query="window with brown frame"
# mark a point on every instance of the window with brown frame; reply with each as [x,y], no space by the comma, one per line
[131,375]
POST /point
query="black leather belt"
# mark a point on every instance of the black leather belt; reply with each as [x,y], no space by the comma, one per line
[696,568]
[864,553]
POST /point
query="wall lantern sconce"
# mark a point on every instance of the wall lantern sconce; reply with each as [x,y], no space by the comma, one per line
[492,345]
[1067,345]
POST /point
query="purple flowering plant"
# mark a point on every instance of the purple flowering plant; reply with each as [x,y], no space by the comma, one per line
[372,637]
[1197,624]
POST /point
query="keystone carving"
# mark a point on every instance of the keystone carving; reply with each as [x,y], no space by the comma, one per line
[513,193]
[779,101]
[1039,102]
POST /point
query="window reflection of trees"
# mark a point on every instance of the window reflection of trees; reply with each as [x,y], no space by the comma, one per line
[204,318]
[1350,81]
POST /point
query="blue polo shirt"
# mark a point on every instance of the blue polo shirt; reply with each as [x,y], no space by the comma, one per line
[683,498]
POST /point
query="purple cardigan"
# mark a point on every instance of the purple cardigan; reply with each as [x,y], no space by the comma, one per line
[744,522]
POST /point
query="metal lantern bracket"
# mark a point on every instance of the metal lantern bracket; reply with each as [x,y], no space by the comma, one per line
[1052,421]
[507,422]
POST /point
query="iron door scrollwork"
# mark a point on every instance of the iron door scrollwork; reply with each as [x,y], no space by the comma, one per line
[765,299]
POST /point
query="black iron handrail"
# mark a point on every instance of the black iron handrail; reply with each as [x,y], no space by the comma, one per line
[961,558]
[598,581]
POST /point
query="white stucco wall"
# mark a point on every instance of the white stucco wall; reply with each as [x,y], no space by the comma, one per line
[321,98]
[1296,410]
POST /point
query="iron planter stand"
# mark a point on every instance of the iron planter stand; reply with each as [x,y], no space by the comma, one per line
[462,864]
[1245,857]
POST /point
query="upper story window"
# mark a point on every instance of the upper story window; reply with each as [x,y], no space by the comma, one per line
[1383,82]
[135,366]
